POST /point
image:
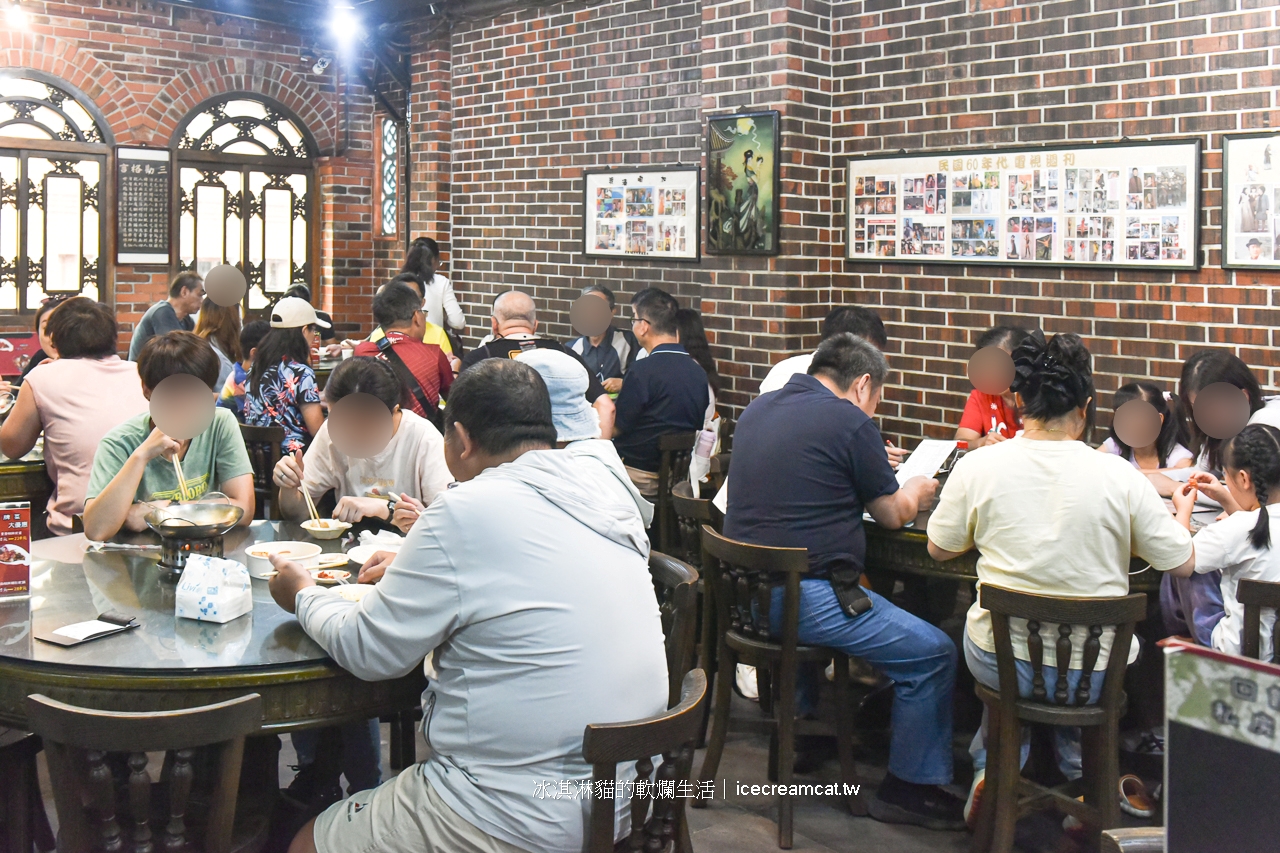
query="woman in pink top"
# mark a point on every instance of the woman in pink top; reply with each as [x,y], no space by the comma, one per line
[75,399]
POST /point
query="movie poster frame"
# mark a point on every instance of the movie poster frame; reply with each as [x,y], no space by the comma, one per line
[695,201]
[775,178]
[1229,192]
[1194,208]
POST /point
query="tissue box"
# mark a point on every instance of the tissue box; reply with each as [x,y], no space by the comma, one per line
[213,590]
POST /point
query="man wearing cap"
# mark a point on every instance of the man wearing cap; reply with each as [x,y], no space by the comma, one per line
[515,326]
[175,314]
[566,380]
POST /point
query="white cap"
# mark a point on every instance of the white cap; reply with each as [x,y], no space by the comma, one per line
[294,313]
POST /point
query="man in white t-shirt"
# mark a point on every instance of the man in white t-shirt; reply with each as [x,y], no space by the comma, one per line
[861,321]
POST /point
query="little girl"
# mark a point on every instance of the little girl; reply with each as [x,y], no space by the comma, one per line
[1165,451]
[989,418]
[1240,546]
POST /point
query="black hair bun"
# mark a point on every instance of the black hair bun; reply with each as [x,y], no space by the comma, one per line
[1052,376]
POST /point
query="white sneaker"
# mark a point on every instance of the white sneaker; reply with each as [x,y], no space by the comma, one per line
[746,680]
[974,802]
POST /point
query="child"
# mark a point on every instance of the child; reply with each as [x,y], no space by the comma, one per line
[1241,545]
[989,418]
[1166,451]
[133,469]
[232,396]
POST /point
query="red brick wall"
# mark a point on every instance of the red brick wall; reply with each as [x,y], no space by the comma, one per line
[146,64]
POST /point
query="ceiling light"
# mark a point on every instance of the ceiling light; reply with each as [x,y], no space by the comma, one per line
[344,25]
[16,16]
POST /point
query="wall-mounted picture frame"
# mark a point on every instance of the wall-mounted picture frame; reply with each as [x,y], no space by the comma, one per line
[744,168]
[649,212]
[1107,205]
[1250,195]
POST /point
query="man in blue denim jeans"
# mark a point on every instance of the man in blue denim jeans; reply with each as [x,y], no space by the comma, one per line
[807,460]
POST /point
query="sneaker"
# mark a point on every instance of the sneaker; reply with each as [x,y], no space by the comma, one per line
[745,680]
[308,792]
[928,806]
[973,804]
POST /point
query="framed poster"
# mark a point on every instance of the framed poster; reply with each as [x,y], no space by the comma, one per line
[142,206]
[743,184]
[1110,205]
[1250,193]
[650,212]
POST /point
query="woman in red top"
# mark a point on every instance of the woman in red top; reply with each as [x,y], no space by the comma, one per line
[989,418]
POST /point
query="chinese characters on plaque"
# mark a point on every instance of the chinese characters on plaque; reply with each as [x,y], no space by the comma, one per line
[651,213]
[1113,205]
[142,205]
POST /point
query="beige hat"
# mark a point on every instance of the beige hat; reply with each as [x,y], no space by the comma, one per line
[294,313]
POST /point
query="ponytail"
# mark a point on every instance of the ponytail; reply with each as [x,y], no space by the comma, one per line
[1256,449]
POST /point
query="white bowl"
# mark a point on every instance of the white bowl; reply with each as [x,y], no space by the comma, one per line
[257,555]
[326,528]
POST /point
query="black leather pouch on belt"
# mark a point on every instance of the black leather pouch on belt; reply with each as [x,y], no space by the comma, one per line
[852,597]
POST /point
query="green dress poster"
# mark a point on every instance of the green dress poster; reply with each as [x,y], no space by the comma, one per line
[742,184]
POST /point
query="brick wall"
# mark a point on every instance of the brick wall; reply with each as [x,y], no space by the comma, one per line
[146,64]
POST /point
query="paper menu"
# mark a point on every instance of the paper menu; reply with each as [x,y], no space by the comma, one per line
[83,630]
[926,459]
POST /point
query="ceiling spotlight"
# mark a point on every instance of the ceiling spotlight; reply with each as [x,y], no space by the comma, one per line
[15,16]
[344,25]
[321,64]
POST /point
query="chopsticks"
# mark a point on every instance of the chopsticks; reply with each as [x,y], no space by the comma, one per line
[311,506]
[182,481]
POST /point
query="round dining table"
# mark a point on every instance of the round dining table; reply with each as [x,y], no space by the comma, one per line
[167,663]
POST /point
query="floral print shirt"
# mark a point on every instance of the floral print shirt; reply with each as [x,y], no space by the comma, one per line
[285,390]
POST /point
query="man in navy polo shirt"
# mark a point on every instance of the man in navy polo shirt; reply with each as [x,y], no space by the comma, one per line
[807,460]
[665,392]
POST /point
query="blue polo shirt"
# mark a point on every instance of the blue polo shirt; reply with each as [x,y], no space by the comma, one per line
[805,464]
[665,392]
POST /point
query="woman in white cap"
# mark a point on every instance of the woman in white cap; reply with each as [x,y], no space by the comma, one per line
[281,388]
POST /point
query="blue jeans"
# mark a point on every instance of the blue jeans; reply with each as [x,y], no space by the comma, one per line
[361,752]
[919,658]
[1066,738]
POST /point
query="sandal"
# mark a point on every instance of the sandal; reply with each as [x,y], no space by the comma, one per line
[1134,799]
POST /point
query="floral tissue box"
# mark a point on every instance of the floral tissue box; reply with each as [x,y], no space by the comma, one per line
[213,590]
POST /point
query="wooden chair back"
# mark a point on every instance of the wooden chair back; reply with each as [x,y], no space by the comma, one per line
[263,444]
[657,819]
[676,585]
[691,513]
[79,738]
[719,469]
[1255,595]
[676,449]
[1094,613]
[743,578]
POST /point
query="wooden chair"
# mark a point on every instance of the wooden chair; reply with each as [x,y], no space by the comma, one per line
[1142,839]
[719,470]
[263,444]
[691,513]
[1054,705]
[676,585]
[1255,595]
[743,578]
[23,822]
[77,741]
[673,467]
[657,822]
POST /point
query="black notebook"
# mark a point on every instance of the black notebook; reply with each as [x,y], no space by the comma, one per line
[82,632]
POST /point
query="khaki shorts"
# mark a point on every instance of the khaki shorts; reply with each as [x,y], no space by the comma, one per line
[646,482]
[403,815]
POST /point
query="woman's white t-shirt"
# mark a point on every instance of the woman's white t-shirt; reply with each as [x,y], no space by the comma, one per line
[412,464]
[1178,454]
[1053,518]
[1224,547]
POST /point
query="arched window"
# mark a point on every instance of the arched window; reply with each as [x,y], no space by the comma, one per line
[54,145]
[246,193]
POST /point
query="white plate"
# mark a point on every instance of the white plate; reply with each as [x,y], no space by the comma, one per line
[361,553]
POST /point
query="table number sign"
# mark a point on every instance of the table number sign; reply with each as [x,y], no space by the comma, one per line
[143,192]
[15,549]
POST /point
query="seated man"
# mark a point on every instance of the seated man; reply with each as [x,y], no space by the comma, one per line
[854,319]
[664,393]
[610,354]
[133,470]
[807,460]
[515,326]
[423,369]
[431,333]
[531,581]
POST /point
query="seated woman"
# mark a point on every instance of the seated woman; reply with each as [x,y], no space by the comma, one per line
[133,470]
[1242,545]
[1166,451]
[693,337]
[1050,516]
[74,400]
[989,418]
[412,465]
[220,326]
[281,390]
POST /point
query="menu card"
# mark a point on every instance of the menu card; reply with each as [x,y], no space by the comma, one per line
[15,549]
[926,459]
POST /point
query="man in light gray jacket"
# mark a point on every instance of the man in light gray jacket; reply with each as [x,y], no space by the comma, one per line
[530,580]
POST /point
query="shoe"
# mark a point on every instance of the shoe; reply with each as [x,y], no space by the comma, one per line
[927,806]
[744,681]
[1134,799]
[812,751]
[973,805]
[308,792]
